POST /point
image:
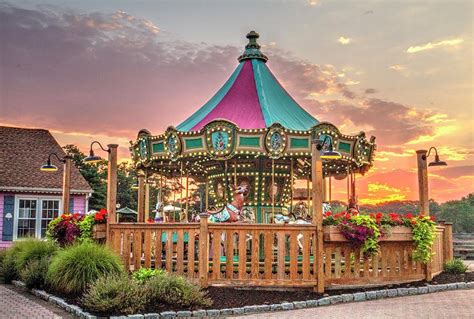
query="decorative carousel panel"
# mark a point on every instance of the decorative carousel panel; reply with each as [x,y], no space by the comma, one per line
[158,148]
[275,141]
[250,142]
[220,136]
[143,148]
[195,144]
[172,144]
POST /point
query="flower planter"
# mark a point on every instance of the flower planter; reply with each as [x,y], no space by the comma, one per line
[99,231]
[397,233]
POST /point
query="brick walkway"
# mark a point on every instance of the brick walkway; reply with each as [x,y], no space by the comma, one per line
[15,304]
[447,304]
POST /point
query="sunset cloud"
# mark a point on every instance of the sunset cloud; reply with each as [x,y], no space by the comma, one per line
[344,41]
[432,45]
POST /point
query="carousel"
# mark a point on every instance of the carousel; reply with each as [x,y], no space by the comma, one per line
[250,144]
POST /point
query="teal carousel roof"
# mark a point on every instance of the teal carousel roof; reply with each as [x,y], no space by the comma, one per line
[252,98]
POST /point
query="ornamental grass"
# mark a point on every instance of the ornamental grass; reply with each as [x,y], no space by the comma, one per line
[73,269]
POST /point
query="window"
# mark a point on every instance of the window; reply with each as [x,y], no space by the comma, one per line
[27,218]
[49,211]
[33,216]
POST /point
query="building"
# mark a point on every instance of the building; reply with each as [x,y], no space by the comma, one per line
[30,198]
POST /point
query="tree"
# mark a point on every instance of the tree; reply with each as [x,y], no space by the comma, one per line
[460,213]
[95,175]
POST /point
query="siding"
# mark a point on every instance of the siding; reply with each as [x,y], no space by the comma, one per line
[79,204]
[3,244]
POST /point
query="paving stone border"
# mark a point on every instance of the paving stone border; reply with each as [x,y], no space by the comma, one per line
[325,301]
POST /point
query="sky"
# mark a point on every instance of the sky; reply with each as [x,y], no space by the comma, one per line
[399,70]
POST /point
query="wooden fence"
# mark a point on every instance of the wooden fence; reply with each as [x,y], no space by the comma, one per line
[270,255]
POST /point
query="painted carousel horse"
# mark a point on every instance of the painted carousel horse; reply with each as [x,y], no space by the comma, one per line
[231,212]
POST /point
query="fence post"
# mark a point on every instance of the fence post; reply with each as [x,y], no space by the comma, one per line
[203,250]
[317,197]
[448,241]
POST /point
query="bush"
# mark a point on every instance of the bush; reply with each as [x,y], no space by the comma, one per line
[143,274]
[78,266]
[34,274]
[455,266]
[115,294]
[176,290]
[3,254]
[20,253]
[31,250]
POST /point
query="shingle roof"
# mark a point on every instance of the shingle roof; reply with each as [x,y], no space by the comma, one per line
[23,151]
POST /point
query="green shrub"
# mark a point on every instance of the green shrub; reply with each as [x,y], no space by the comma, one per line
[34,274]
[20,253]
[33,249]
[115,294]
[143,274]
[176,290]
[3,254]
[74,268]
[455,266]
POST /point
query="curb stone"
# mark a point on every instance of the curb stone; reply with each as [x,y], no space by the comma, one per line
[358,296]
[371,295]
[199,313]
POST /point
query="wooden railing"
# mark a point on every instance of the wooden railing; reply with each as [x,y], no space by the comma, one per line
[270,255]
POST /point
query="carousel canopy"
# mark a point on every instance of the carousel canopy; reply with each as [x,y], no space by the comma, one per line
[252,98]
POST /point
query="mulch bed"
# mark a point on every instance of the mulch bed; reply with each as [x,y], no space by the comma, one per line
[224,297]
[239,297]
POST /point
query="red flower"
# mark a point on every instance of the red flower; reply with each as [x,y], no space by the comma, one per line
[409,216]
[372,215]
[328,214]
[378,215]
[413,222]
[432,218]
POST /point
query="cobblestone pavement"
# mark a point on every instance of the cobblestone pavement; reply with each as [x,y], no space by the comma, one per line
[18,304]
[447,304]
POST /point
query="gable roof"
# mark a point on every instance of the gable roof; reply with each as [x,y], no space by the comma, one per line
[22,152]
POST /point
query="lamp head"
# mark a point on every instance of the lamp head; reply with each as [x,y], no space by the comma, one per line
[92,158]
[48,167]
[437,162]
[330,154]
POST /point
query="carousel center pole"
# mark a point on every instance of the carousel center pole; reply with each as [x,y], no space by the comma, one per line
[141,197]
[317,181]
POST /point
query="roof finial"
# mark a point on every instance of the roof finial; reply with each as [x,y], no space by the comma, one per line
[252,49]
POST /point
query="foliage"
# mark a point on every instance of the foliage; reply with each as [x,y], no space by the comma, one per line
[85,227]
[95,175]
[33,249]
[74,268]
[362,231]
[64,229]
[34,274]
[69,228]
[424,234]
[21,253]
[455,266]
[144,274]
[460,213]
[365,230]
[116,293]
[176,290]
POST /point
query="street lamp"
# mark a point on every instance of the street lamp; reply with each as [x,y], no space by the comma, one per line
[436,162]
[49,167]
[330,153]
[422,156]
[111,178]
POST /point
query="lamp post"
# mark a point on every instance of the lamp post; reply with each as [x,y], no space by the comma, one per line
[49,167]
[111,178]
[422,156]
[317,155]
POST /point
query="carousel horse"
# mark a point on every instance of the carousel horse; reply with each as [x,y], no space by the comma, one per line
[231,212]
